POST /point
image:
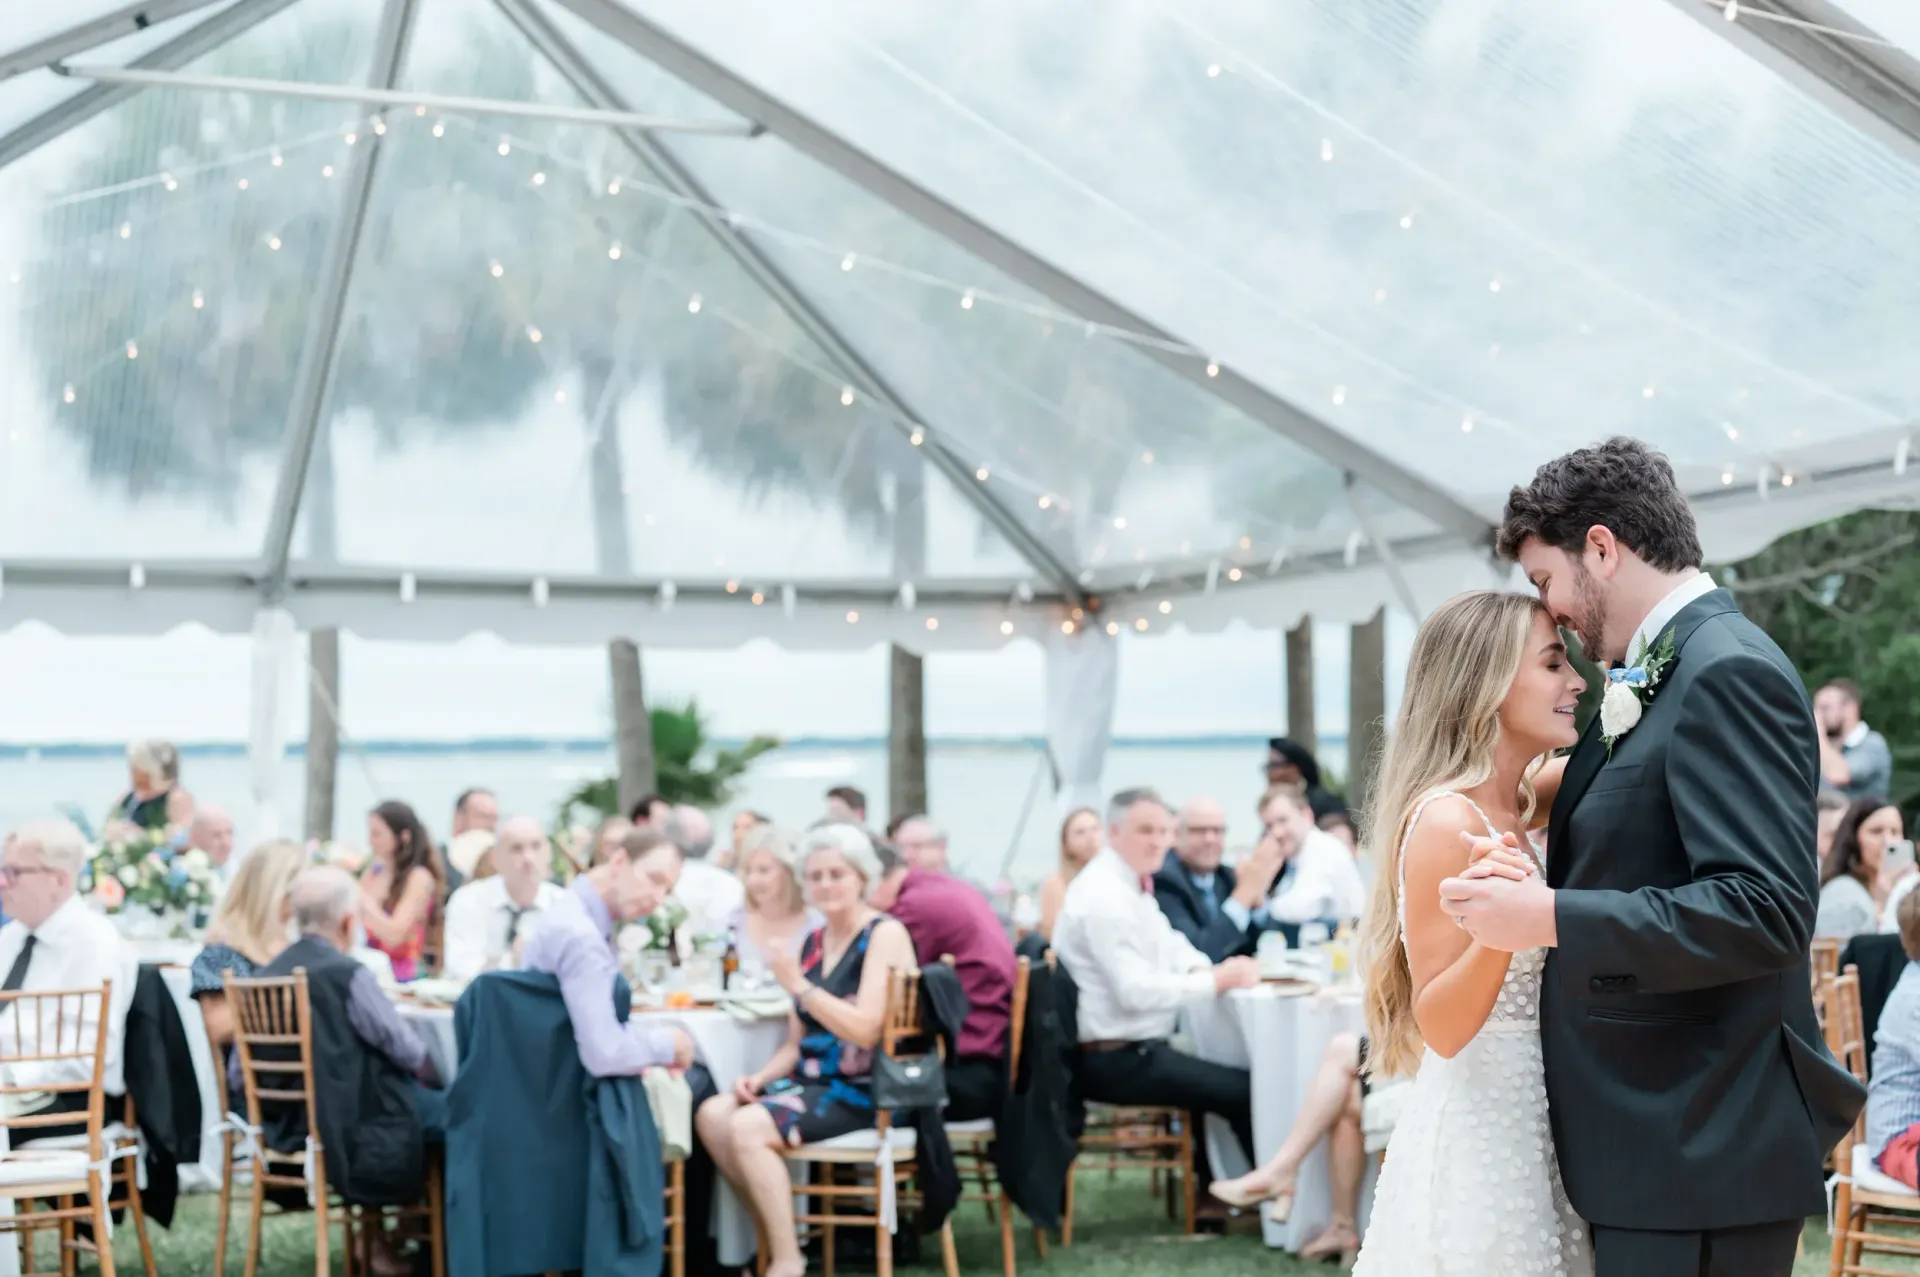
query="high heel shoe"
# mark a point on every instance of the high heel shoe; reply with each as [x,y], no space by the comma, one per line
[1338,1243]
[1278,1202]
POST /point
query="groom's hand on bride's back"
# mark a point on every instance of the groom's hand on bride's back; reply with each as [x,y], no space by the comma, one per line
[1503,859]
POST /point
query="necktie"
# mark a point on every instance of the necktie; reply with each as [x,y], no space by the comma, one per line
[1211,900]
[17,973]
[513,922]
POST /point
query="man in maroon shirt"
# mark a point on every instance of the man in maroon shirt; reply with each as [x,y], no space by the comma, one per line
[948,917]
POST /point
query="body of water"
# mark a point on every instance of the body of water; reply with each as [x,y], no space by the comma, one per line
[976,791]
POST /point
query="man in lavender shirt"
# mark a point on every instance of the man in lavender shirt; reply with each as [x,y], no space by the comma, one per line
[574,940]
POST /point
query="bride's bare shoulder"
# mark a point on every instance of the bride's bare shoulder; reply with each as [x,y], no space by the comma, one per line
[1434,846]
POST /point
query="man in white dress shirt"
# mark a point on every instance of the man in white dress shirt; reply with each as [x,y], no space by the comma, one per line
[487,918]
[1320,881]
[708,893]
[53,940]
[1135,972]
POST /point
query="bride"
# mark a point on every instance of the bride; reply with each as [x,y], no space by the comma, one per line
[1470,1186]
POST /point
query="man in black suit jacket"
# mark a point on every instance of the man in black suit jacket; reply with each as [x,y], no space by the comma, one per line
[1220,910]
[1691,1093]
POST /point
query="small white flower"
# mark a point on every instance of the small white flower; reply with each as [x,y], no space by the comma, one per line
[1620,709]
[195,861]
[129,876]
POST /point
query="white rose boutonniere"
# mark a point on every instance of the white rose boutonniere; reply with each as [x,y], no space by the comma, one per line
[1631,687]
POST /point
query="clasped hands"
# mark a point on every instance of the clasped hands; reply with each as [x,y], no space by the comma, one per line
[1499,898]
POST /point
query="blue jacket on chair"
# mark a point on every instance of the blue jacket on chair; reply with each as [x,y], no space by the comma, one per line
[549,1169]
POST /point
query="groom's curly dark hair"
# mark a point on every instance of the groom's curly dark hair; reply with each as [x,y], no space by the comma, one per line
[1621,484]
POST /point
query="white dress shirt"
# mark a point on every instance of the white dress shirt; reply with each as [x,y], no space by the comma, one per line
[1323,881]
[1133,969]
[709,894]
[1695,586]
[76,948]
[478,918]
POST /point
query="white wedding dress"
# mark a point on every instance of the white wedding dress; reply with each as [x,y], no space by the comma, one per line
[1471,1187]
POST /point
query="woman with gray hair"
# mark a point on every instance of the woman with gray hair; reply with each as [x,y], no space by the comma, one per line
[818,1085]
[153,769]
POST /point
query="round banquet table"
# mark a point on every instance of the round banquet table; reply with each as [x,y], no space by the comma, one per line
[1279,1038]
[730,1048]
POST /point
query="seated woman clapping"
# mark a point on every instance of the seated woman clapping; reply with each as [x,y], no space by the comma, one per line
[818,1085]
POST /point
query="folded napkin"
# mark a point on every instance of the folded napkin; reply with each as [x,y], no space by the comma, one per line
[671,1100]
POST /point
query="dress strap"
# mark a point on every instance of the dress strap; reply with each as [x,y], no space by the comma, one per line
[1419,809]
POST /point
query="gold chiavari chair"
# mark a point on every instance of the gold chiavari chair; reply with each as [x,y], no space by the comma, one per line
[48,1028]
[1872,1212]
[973,1141]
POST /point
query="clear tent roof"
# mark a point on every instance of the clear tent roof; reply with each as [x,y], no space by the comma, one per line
[1260,309]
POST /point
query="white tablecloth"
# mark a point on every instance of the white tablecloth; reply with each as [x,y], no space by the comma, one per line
[728,1047]
[1280,1040]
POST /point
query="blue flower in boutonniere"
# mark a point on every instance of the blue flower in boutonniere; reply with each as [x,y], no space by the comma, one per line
[1631,687]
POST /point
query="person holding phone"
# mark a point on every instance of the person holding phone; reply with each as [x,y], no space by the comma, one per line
[1858,879]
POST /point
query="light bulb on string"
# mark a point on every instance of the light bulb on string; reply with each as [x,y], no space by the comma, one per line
[379,128]
[917,438]
[981,474]
[1786,481]
[1140,623]
[613,187]
[1113,627]
[533,334]
[758,598]
[1733,431]
[1326,150]
[1066,627]
[168,180]
[496,270]
[133,350]
[1213,369]
[67,393]
[137,577]
[1120,522]
[966,300]
[1379,294]
[1732,11]
[439,130]
[693,304]
[846,263]
[933,622]
[853,618]
[326,170]
[1406,221]
[733,587]
[505,147]
[1046,502]
[126,230]
[539,179]
[1213,70]
[1006,627]
[560,396]
[277,160]
[846,396]
[273,242]
[352,138]
[1339,395]
[1466,425]
[1166,607]
[1493,285]
[199,299]
[242,183]
[419,111]
[1646,392]
[1726,477]
[1234,574]
[1246,543]
[613,251]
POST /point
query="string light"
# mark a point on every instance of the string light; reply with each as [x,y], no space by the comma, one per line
[352,138]
[966,300]
[559,396]
[693,304]
[1066,627]
[326,170]
[533,334]
[273,242]
[1466,425]
[1406,221]
[1732,11]
[1339,395]
[1046,502]
[1646,392]
[126,230]
[133,350]
[1726,477]
[1246,543]
[496,270]
[1326,149]
[613,187]
[379,128]
[439,130]
[613,251]
[853,618]
[169,181]
[1113,627]
[419,111]
[933,622]
[981,474]
[917,438]
[1213,70]
[846,396]
[505,148]
[1732,431]
[1140,623]
[733,587]
[1786,481]
[846,263]
[758,598]
[539,179]
[1213,370]
[1233,574]
[67,394]
[1146,458]
[242,184]
[1493,285]
[277,160]
[1120,522]
[1166,607]
[199,299]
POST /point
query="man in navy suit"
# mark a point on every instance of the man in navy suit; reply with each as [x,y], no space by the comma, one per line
[1221,909]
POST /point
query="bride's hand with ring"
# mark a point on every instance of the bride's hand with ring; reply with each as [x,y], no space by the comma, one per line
[1503,859]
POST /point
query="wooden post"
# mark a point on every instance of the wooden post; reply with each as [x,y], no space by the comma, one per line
[632,725]
[906,733]
[1366,706]
[1300,725]
[323,730]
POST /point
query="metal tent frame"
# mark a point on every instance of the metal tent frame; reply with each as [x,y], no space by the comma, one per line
[1875,86]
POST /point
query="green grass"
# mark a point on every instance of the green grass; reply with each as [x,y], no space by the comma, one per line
[1120,1229]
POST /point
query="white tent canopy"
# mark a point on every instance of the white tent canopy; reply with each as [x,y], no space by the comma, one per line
[853,321]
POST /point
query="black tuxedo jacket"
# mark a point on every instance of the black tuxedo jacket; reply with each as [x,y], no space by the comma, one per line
[1689,1086]
[1212,933]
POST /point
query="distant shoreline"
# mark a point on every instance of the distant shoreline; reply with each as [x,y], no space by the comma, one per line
[27,750]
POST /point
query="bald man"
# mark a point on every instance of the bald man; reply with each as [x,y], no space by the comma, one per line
[1222,909]
[487,918]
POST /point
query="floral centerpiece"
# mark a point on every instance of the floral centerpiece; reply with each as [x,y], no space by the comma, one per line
[341,855]
[139,869]
[664,923]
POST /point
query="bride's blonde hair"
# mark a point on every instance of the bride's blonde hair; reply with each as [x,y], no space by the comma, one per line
[1465,659]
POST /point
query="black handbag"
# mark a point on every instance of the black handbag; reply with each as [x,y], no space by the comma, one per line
[909,1082]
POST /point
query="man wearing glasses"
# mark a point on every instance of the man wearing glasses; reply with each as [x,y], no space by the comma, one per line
[1221,909]
[54,941]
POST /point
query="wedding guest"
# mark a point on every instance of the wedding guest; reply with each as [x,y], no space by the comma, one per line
[1319,881]
[1853,887]
[1291,763]
[1854,759]
[375,1086]
[921,844]
[1893,1087]
[574,942]
[652,810]
[400,888]
[947,918]
[774,917]
[1340,825]
[1830,809]
[1221,909]
[248,931]
[153,770]
[1330,1111]
[818,1084]
[211,830]
[608,837]
[1079,843]
[489,917]
[744,823]
[474,810]
[708,894]
[1135,973]
[846,806]
[54,940]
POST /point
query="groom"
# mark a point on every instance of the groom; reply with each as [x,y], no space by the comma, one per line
[1691,1094]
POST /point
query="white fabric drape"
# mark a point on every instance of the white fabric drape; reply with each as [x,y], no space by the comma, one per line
[1083,683]
[273,643]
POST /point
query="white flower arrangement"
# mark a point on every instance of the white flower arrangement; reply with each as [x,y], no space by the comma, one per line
[1630,689]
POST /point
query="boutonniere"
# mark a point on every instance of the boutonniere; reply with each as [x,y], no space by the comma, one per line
[1631,687]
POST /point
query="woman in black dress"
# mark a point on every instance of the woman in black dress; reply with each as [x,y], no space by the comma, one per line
[817,1087]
